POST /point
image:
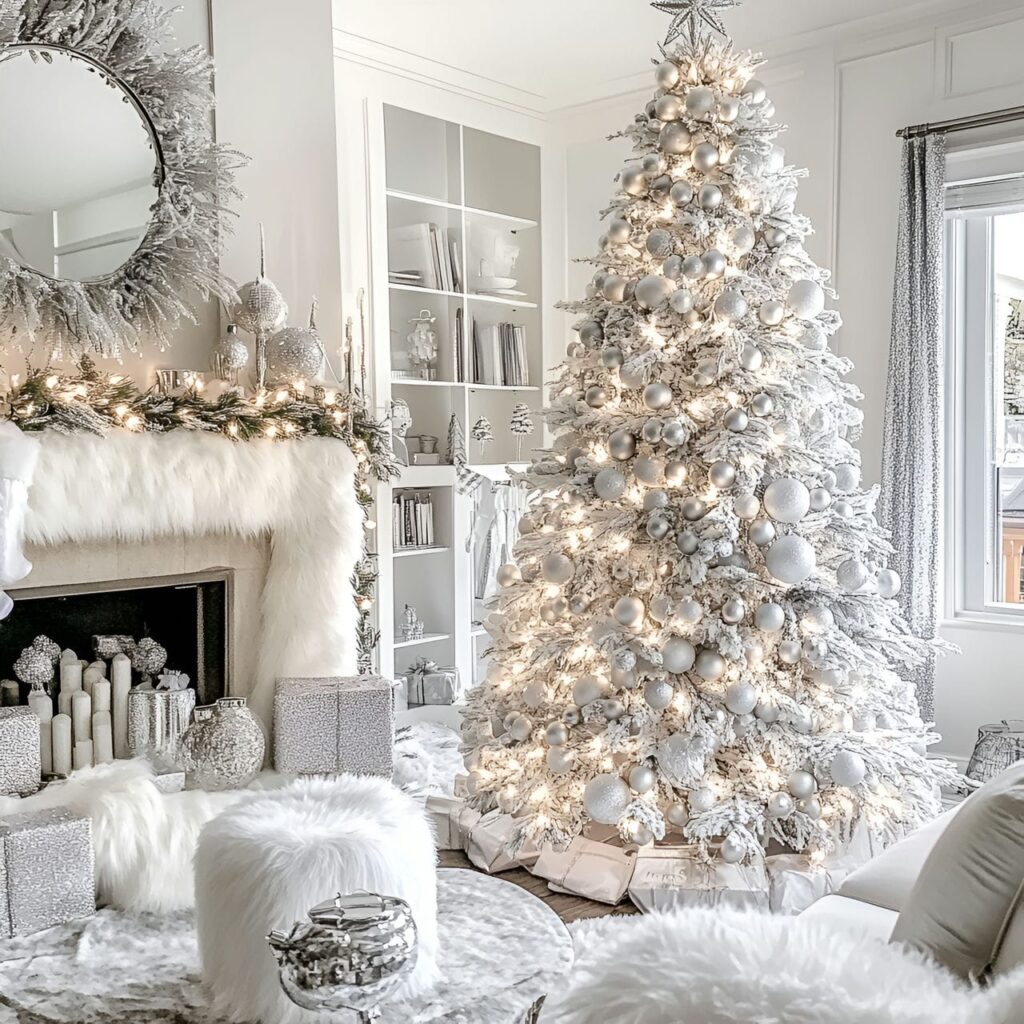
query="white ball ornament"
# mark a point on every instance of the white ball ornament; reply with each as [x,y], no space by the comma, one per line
[740,698]
[802,784]
[820,499]
[633,180]
[658,693]
[701,800]
[700,101]
[722,475]
[678,655]
[709,197]
[746,506]
[780,805]
[605,798]
[791,559]
[560,760]
[710,665]
[766,712]
[847,477]
[714,263]
[731,305]
[733,610]
[649,471]
[743,238]
[751,357]
[771,312]
[852,574]
[653,290]
[557,568]
[673,433]
[641,778]
[736,420]
[629,611]
[761,532]
[805,299]
[790,652]
[657,395]
[728,109]
[811,806]
[622,444]
[770,617]
[848,769]
[508,575]
[668,107]
[732,850]
[888,582]
[787,500]
[609,485]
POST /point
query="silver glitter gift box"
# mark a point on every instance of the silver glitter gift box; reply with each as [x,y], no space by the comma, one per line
[19,751]
[429,684]
[46,870]
[334,724]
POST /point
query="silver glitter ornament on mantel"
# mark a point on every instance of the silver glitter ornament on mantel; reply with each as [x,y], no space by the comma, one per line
[230,356]
[261,311]
[355,952]
[224,746]
[296,353]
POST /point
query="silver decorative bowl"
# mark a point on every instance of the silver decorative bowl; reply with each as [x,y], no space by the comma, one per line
[354,953]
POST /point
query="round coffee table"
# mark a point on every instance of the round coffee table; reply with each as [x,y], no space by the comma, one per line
[501,952]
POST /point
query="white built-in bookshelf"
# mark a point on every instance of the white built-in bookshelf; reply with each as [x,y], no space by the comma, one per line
[456,204]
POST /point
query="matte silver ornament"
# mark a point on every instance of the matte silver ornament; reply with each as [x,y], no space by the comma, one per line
[734,611]
[622,444]
[587,689]
[629,611]
[693,268]
[709,197]
[771,312]
[655,500]
[657,395]
[678,655]
[677,815]
[675,473]
[619,230]
[613,709]
[700,101]
[672,432]
[766,712]
[575,350]
[714,263]
[681,193]
[687,542]
[701,800]
[693,509]
[746,506]
[596,396]
[852,574]
[754,92]
[740,697]
[780,805]
[508,575]
[672,268]
[710,665]
[805,299]
[578,604]
[848,769]
[705,156]
[681,300]
[802,784]
[770,617]
[668,107]
[787,500]
[774,237]
[790,652]
[743,238]
[633,180]
[761,532]
[820,499]
[521,728]
[560,760]
[728,109]
[675,139]
[731,305]
[614,288]
[791,559]
[751,357]
[609,485]
[653,165]
[652,290]
[722,475]
[658,528]
[660,187]
[642,779]
[888,582]
[605,798]
[811,806]
[666,74]
[817,619]
[762,405]
[591,333]
[660,244]
[611,357]
[557,568]
[690,611]
[649,471]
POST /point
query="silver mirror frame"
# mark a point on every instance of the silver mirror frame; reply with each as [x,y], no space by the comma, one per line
[178,259]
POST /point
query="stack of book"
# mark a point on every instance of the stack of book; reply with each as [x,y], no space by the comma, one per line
[499,355]
[412,520]
[422,255]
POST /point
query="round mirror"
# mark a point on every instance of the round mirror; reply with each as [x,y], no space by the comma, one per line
[81,165]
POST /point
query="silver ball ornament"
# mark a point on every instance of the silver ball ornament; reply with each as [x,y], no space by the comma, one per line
[633,180]
[557,568]
[780,805]
[770,617]
[658,528]
[714,263]
[743,238]
[649,471]
[660,244]
[690,611]
[710,665]
[701,800]
[805,299]
[560,760]
[657,395]
[653,290]
[681,301]
[847,477]
[587,689]
[705,156]
[609,485]
[681,192]
[771,312]
[709,197]
[848,769]
[666,74]
[736,420]
[508,575]
[658,693]
[722,475]
[693,509]
[791,559]
[852,574]
[733,611]
[790,652]
[811,806]
[655,500]
[820,499]
[619,230]
[774,237]
[613,709]
[787,500]
[728,109]
[700,101]
[693,268]
[731,305]
[675,473]
[596,396]
[766,712]
[678,655]
[754,92]
[762,405]
[642,779]
[673,433]
[888,582]
[672,268]
[521,728]
[706,372]
[622,444]
[802,784]
[740,697]
[629,611]
[605,798]
[677,815]
[761,532]
[746,506]
[751,357]
[687,542]
[844,508]
[653,165]
[614,288]
[675,139]
[668,107]
[611,357]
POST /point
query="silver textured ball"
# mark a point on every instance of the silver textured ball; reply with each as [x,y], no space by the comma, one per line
[770,617]
[633,180]
[675,139]
[736,420]
[731,305]
[605,798]
[657,395]
[787,500]
[762,405]
[560,760]
[666,74]
[888,582]
[587,689]
[761,532]
[791,559]
[710,665]
[848,769]
[596,396]
[790,652]
[734,610]
[802,784]
[811,806]
[847,477]
[649,471]
[740,697]
[693,509]
[673,433]
[743,238]
[700,101]
[295,353]
[609,485]
[722,475]
[658,527]
[705,156]
[771,312]
[852,574]
[668,107]
[629,611]
[557,568]
[701,800]
[687,542]
[231,354]
[780,805]
[508,575]
[642,779]
[751,357]
[805,299]
[681,192]
[622,444]
[658,693]
[820,499]
[261,307]
[653,290]
[681,301]
[709,197]
[714,263]
[678,655]
[660,244]
[655,500]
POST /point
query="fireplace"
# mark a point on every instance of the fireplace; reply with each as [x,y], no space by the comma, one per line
[189,614]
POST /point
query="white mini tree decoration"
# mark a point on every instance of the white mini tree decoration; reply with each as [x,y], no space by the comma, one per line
[521,425]
[697,633]
[482,434]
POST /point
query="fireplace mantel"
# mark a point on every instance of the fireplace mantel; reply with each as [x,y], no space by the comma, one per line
[136,488]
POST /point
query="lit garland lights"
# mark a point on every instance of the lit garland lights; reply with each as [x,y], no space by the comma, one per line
[697,636]
[95,402]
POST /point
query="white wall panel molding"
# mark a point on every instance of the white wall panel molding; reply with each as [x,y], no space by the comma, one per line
[981,55]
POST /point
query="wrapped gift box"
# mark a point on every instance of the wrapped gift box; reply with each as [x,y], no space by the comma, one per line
[428,684]
[673,876]
[487,844]
[595,870]
[19,751]
[452,821]
[46,870]
[334,724]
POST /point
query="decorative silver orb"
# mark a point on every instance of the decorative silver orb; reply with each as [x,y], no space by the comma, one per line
[675,473]
[261,308]
[296,353]
[677,815]
[754,92]
[740,697]
[736,420]
[811,806]
[557,568]
[731,305]
[746,506]
[802,784]
[622,444]
[655,500]
[614,288]
[743,238]
[709,665]
[762,405]
[771,312]
[675,139]
[521,728]
[761,532]
[690,611]
[230,354]
[673,433]
[852,574]
[700,101]
[814,338]
[660,244]
[596,396]
[705,156]
[653,165]
[657,395]
[666,74]
[790,652]
[681,301]
[847,477]
[888,582]
[714,263]
[701,800]
[633,180]
[672,268]
[571,717]
[805,299]
[629,611]
[722,475]
[609,485]
[693,509]
[587,689]
[591,333]
[575,350]
[649,471]
[709,197]
[687,542]
[611,356]
[605,798]
[658,527]
[791,559]
[613,709]
[733,611]
[751,357]
[780,805]
[770,617]
[774,237]
[848,769]
[619,230]
[844,509]
[820,499]
[693,268]
[678,655]
[817,619]
[641,778]
[668,107]
[681,192]
[508,575]
[653,290]
[578,604]
[787,500]
[766,712]
[560,760]
[728,109]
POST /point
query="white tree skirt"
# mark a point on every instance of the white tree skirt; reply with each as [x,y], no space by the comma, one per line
[501,950]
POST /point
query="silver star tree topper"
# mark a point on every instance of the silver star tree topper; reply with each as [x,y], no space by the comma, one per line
[690,14]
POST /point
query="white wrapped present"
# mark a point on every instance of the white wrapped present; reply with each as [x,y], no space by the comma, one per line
[487,845]
[672,876]
[595,870]
[795,883]
[452,820]
[429,684]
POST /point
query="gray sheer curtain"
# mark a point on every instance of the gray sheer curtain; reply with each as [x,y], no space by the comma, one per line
[912,449]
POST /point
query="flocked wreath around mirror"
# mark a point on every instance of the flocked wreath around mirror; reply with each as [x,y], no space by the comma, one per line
[113,193]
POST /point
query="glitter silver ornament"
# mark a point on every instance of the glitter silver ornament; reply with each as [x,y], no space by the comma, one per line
[605,798]
[746,506]
[731,305]
[296,353]
[675,139]
[852,574]
[652,290]
[157,722]
[787,500]
[805,299]
[847,769]
[678,655]
[761,532]
[709,665]
[740,697]
[629,611]
[722,475]
[649,471]
[657,395]
[230,355]
[609,485]
[673,433]
[148,658]
[817,619]
[521,728]
[771,312]
[791,559]
[780,805]
[762,405]
[709,197]
[802,784]
[660,244]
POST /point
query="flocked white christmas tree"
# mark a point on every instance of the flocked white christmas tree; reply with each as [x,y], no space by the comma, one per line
[697,634]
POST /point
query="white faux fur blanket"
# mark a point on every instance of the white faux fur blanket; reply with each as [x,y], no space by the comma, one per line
[731,967]
[182,483]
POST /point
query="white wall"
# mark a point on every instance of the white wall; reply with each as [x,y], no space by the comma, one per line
[844,94]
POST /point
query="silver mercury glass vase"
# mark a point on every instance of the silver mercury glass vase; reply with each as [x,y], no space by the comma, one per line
[223,749]
[353,955]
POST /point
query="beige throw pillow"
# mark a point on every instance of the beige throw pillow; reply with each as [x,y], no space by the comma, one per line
[970,887]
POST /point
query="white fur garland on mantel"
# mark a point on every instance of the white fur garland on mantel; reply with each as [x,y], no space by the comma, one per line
[301,492]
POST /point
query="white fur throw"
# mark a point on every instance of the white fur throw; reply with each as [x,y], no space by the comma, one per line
[263,863]
[730,967]
[183,483]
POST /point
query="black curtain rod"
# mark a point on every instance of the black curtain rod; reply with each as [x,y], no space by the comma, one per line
[961,124]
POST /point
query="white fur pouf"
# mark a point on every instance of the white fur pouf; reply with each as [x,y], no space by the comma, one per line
[730,967]
[264,862]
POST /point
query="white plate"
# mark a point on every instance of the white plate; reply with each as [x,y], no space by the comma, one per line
[494,284]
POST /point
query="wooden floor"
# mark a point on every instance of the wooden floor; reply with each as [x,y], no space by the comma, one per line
[568,908]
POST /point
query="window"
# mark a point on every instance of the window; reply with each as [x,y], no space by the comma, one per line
[985,398]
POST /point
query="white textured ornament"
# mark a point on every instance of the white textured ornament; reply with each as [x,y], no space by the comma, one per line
[741,697]
[609,485]
[848,769]
[787,500]
[605,798]
[852,574]
[658,693]
[805,299]
[791,559]
[678,655]
[629,611]
[771,312]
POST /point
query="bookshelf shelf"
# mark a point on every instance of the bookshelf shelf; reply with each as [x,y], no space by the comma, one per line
[516,223]
[499,387]
[428,638]
[498,300]
[427,549]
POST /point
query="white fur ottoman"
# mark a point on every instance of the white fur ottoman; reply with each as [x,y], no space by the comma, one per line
[264,862]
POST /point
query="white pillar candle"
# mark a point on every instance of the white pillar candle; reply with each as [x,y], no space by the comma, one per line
[101,696]
[60,732]
[10,693]
[81,716]
[102,737]
[39,701]
[67,656]
[121,683]
[82,756]
[64,701]
[90,677]
[100,666]
[70,676]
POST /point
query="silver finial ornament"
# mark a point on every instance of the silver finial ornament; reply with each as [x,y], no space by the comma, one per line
[261,310]
[296,352]
[692,15]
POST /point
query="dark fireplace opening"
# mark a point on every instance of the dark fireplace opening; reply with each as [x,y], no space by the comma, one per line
[189,615]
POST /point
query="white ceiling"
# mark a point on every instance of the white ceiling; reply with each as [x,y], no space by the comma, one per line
[567,50]
[67,136]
